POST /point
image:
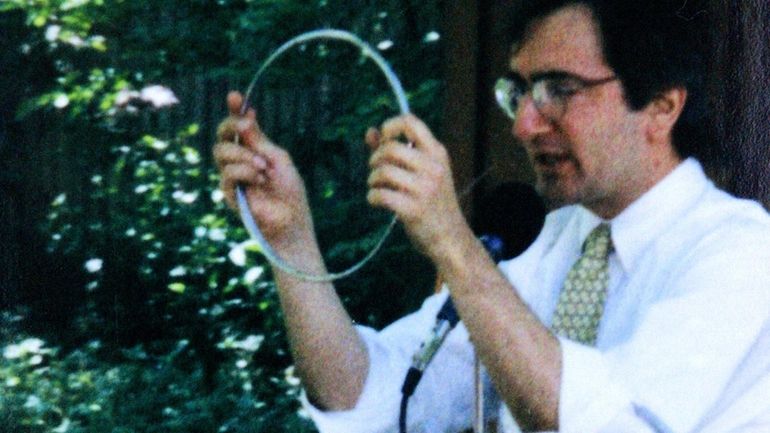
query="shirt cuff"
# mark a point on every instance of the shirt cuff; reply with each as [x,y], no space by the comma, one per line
[589,399]
[371,405]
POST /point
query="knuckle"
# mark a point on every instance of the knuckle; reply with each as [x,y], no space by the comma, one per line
[228,172]
[236,172]
[384,172]
[376,157]
[374,197]
[384,152]
[226,130]
[219,151]
[441,152]
[388,126]
[282,153]
[407,215]
[372,179]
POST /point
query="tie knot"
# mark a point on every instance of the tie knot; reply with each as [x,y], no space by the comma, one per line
[598,243]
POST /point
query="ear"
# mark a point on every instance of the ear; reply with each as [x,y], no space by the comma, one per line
[663,112]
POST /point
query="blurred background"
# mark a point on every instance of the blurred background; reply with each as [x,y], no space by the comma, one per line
[130,297]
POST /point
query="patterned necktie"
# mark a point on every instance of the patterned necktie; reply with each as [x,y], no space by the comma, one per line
[581,302]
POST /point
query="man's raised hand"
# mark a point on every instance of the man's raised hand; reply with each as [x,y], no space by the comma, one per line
[412,177]
[273,187]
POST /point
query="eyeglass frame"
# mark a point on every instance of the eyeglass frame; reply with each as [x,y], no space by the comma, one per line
[538,88]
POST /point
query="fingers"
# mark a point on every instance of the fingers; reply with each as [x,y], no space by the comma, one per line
[413,129]
[227,129]
[395,201]
[394,178]
[243,129]
[427,159]
[239,166]
[245,175]
[411,181]
[229,153]
[404,178]
[397,154]
[241,126]
[389,147]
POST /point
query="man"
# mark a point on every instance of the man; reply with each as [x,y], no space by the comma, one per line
[683,341]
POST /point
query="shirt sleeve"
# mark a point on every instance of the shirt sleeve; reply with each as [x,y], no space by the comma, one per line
[443,398]
[687,349]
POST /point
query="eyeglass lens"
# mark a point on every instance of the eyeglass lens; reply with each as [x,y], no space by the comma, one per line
[509,93]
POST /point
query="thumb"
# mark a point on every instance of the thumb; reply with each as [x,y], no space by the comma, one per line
[234,103]
[248,130]
[372,138]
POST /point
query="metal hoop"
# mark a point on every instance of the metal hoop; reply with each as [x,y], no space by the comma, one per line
[243,206]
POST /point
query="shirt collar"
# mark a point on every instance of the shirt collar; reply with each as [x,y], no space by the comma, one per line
[652,213]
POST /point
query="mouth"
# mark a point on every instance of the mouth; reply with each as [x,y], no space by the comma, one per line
[551,161]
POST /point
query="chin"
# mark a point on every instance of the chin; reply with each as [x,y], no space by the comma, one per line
[555,194]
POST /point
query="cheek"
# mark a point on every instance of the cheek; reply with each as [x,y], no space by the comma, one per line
[601,140]
[587,143]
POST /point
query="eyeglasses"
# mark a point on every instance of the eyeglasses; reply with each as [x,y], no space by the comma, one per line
[551,92]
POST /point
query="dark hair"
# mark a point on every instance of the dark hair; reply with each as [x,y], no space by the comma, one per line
[653,46]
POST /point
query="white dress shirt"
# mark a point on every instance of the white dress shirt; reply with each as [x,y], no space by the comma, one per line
[683,345]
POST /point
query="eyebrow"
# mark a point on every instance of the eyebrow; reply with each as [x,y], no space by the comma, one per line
[553,74]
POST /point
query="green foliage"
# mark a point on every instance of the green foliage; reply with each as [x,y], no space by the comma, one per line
[151,390]
[200,344]
[172,320]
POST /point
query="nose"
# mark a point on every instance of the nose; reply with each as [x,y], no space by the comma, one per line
[529,122]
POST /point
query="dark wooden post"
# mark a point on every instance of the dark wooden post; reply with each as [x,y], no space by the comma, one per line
[460,125]
[477,135]
[501,154]
[742,95]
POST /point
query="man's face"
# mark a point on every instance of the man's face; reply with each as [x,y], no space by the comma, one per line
[592,154]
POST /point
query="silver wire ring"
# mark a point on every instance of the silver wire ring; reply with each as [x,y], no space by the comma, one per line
[243,206]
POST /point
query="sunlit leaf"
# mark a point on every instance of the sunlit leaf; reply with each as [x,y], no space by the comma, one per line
[177,287]
[39,20]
